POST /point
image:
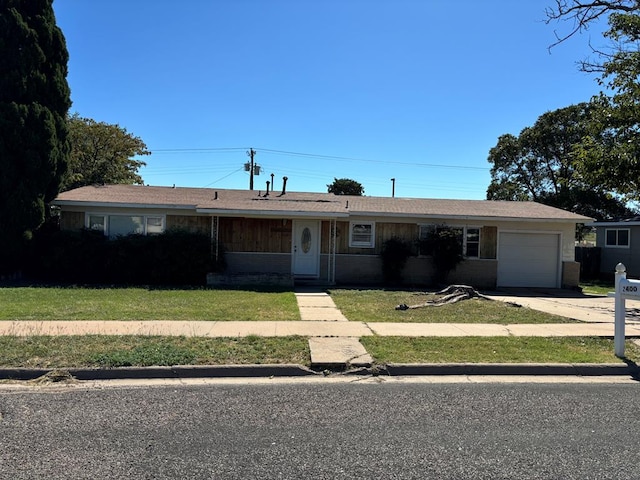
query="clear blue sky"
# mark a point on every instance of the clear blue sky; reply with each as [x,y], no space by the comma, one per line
[363,89]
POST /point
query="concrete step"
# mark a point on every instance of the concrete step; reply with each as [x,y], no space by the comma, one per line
[338,351]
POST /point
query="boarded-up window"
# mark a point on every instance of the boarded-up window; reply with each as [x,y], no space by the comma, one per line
[488,242]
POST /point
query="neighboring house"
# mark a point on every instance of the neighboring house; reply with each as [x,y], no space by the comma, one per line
[619,242]
[337,239]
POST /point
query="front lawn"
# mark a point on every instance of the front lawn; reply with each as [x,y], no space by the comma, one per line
[106,351]
[51,303]
[597,287]
[496,350]
[372,305]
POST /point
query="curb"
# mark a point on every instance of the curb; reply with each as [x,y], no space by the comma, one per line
[289,370]
[516,369]
[178,371]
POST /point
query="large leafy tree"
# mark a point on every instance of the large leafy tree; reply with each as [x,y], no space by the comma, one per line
[34,101]
[610,155]
[544,164]
[102,153]
[345,186]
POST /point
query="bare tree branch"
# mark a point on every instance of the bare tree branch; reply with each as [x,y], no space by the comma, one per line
[582,14]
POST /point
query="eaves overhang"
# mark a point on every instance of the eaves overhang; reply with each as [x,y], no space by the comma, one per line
[613,224]
[79,203]
[474,218]
[270,213]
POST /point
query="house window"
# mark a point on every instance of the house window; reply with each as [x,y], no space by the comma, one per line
[117,225]
[362,234]
[469,238]
[125,225]
[472,242]
[155,225]
[97,222]
[617,237]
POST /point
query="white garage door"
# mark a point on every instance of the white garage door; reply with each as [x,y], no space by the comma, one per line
[528,259]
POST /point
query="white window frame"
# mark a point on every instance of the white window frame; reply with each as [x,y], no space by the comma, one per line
[145,221]
[371,243]
[465,240]
[617,230]
[87,222]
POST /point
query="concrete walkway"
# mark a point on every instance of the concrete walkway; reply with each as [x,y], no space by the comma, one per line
[569,304]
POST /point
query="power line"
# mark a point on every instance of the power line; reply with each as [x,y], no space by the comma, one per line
[313,155]
[222,178]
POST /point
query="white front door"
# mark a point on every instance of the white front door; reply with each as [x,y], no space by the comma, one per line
[306,248]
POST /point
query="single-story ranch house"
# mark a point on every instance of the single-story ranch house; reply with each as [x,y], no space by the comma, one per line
[332,239]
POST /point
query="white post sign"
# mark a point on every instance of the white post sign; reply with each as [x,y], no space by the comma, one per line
[624,289]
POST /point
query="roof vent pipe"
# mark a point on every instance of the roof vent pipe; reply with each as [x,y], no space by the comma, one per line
[272,182]
[284,185]
[215,197]
[268,183]
[347,204]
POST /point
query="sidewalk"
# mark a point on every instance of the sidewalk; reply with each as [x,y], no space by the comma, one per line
[314,328]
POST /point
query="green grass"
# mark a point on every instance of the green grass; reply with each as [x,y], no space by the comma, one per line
[379,306]
[47,303]
[597,287]
[117,351]
[496,350]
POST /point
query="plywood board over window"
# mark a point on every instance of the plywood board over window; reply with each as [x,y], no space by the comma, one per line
[488,242]
[255,235]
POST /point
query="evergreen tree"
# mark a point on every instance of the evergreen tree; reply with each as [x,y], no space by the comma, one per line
[34,101]
[345,186]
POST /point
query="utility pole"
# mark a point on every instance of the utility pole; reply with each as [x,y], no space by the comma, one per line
[251,153]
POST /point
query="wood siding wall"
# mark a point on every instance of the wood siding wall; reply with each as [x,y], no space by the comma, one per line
[255,235]
[383,231]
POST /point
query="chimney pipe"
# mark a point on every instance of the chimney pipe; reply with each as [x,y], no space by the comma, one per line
[393,187]
[272,182]
[268,184]
[284,185]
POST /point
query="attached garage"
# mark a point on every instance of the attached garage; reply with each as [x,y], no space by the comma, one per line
[528,260]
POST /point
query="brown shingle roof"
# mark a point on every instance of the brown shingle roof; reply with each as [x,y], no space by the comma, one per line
[207,200]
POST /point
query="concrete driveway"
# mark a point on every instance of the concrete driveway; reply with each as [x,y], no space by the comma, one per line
[568,303]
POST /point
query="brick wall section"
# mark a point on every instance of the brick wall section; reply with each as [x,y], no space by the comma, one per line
[477,273]
[238,263]
[359,269]
[570,274]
